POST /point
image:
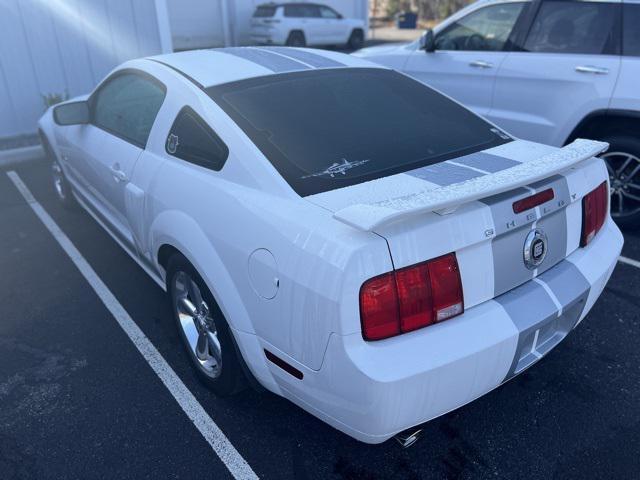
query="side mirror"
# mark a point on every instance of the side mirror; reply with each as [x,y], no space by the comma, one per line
[340,16]
[74,113]
[428,41]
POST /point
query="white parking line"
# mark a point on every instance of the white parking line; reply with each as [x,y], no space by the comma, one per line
[629,261]
[237,465]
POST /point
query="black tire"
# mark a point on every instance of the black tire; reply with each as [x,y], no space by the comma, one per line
[296,39]
[61,185]
[623,163]
[356,40]
[230,378]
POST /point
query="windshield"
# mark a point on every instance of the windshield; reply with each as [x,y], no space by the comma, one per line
[327,129]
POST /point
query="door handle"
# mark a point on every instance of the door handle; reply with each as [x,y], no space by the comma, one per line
[118,174]
[481,64]
[592,69]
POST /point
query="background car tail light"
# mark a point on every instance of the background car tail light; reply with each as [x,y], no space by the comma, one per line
[594,212]
[411,298]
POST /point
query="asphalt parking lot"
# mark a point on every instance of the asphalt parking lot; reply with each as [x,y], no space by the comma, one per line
[78,400]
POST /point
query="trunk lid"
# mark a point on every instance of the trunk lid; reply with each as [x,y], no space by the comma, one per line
[466,206]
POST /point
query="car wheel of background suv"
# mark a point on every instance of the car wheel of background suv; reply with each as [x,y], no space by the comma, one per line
[623,164]
[203,329]
[296,39]
[356,40]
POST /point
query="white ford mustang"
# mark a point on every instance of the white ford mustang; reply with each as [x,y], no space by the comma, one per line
[340,233]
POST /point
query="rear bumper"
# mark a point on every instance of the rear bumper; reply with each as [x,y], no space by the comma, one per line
[272,37]
[374,390]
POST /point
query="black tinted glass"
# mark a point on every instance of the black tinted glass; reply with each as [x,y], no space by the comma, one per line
[192,140]
[326,12]
[631,26]
[301,11]
[293,11]
[574,27]
[264,12]
[334,128]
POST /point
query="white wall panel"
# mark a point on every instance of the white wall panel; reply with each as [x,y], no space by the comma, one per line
[66,46]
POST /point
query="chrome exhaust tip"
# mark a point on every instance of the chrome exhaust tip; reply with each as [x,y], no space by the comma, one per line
[408,437]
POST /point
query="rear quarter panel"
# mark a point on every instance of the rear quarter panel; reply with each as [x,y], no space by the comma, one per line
[218,220]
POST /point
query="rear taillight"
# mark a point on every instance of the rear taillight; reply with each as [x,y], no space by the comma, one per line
[379,307]
[594,212]
[411,298]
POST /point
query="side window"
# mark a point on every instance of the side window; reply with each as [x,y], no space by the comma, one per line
[192,140]
[293,11]
[127,106]
[574,27]
[631,30]
[486,29]
[326,12]
[301,11]
[311,11]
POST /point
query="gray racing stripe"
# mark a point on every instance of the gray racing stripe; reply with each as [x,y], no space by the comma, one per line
[313,59]
[504,219]
[486,161]
[509,269]
[555,227]
[527,305]
[535,314]
[567,283]
[511,230]
[272,61]
[444,174]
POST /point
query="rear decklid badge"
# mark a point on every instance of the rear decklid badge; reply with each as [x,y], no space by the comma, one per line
[535,248]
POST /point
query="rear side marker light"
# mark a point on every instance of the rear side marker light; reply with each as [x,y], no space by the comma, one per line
[594,212]
[533,201]
[291,370]
[411,298]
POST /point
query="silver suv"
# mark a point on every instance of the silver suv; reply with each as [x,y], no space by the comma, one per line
[545,70]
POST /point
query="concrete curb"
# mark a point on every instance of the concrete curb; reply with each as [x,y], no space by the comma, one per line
[20,155]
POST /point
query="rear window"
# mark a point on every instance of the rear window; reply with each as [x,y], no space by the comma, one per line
[327,129]
[301,11]
[264,11]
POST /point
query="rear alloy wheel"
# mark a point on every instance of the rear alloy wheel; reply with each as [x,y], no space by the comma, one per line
[623,165]
[296,39]
[356,40]
[197,325]
[203,329]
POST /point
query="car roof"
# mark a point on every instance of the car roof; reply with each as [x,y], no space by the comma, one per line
[207,68]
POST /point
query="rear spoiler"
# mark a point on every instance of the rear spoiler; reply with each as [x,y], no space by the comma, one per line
[443,200]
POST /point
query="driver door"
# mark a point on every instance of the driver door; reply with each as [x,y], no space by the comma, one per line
[468,54]
[123,111]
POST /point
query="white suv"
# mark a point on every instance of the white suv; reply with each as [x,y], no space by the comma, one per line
[544,70]
[302,24]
